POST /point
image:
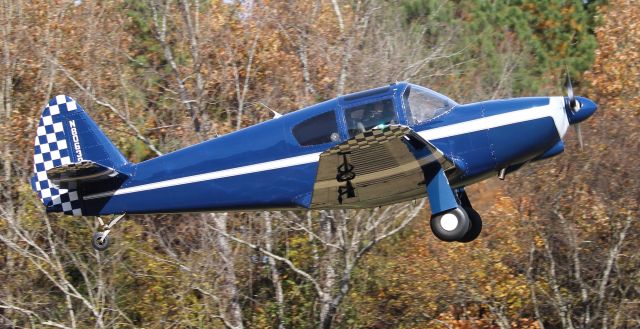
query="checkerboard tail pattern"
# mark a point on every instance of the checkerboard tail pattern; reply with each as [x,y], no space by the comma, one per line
[52,150]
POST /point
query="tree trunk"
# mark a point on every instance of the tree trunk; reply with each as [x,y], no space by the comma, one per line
[275,274]
[230,298]
[328,278]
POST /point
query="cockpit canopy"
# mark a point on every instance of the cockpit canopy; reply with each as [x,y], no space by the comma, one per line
[364,117]
[423,105]
[367,110]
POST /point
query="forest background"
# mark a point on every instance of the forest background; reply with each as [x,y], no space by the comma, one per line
[559,245]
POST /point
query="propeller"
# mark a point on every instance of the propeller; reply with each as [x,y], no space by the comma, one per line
[573,106]
[570,95]
[578,131]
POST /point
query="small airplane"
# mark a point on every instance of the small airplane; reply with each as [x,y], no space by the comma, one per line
[372,148]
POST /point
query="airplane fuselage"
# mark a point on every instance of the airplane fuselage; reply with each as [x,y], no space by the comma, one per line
[266,167]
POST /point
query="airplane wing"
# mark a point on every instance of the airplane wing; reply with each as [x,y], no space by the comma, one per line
[379,166]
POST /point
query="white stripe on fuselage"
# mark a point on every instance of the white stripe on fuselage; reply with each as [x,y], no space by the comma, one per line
[254,168]
[555,110]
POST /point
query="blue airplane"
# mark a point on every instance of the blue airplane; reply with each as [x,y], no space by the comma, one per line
[367,149]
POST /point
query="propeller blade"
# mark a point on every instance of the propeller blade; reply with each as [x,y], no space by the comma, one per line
[572,98]
[579,134]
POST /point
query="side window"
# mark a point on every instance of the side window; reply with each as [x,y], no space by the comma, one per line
[317,130]
[368,116]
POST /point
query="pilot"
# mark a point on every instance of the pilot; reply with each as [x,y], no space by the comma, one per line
[377,115]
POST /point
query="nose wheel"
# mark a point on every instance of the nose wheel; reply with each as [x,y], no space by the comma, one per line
[100,241]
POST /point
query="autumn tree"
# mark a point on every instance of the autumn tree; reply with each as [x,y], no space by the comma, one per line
[160,75]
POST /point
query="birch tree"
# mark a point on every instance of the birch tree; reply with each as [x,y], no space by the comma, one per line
[88,298]
[342,238]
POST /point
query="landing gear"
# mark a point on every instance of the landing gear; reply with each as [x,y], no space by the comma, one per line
[475,227]
[475,220]
[461,224]
[100,240]
[451,225]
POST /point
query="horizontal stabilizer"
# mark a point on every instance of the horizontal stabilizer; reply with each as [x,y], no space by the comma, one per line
[80,171]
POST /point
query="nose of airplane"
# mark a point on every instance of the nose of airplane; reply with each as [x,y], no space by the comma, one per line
[583,109]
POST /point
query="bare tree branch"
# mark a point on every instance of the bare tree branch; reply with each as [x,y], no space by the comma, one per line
[87,92]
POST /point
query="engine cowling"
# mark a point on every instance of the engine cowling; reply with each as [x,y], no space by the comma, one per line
[551,152]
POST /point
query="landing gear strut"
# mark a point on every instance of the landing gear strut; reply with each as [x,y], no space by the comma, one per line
[475,221]
[100,239]
[453,217]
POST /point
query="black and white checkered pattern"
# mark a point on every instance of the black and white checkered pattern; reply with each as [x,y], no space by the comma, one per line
[369,138]
[52,150]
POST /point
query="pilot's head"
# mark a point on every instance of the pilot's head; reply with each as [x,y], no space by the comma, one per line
[376,112]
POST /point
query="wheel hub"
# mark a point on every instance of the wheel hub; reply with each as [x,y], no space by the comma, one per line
[449,222]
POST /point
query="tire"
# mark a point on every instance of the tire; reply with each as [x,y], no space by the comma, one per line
[476,226]
[99,243]
[451,225]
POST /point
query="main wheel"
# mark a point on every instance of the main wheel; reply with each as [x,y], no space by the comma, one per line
[100,241]
[476,226]
[451,225]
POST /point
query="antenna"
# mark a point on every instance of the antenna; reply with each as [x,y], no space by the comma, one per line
[275,114]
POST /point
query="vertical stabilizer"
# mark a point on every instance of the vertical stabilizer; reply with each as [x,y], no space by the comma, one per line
[67,136]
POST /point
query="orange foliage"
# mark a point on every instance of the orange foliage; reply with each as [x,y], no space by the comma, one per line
[614,76]
[462,285]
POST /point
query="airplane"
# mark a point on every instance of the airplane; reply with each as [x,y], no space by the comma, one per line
[372,148]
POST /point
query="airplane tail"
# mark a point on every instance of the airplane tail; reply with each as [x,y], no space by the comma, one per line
[70,149]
